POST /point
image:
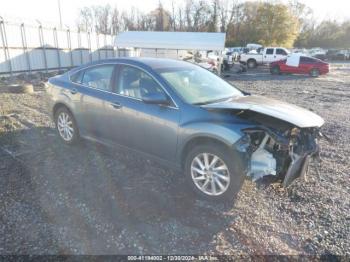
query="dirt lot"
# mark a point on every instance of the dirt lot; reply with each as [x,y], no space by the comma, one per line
[87,199]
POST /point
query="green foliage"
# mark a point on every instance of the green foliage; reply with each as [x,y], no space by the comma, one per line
[265,23]
[328,34]
[275,25]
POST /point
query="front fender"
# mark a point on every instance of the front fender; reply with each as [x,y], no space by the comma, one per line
[226,133]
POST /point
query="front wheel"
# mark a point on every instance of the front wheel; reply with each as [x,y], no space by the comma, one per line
[314,72]
[214,172]
[275,70]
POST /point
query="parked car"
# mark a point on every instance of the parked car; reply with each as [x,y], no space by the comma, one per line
[265,56]
[187,118]
[300,51]
[228,60]
[318,53]
[300,64]
[205,62]
[213,55]
[211,66]
[346,54]
[236,51]
[252,46]
[334,54]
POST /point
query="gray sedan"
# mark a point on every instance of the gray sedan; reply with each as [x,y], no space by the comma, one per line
[187,118]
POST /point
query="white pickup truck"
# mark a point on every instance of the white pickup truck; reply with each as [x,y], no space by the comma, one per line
[264,56]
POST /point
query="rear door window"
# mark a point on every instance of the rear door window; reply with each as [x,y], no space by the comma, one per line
[306,60]
[98,77]
[280,51]
[269,51]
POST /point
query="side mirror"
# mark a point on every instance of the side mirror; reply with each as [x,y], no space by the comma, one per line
[155,98]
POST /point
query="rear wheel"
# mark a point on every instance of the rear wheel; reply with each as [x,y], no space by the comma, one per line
[66,126]
[251,63]
[314,72]
[275,70]
[214,172]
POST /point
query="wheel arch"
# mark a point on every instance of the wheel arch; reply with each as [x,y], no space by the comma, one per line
[59,105]
[200,140]
[314,68]
[252,60]
[76,134]
[275,66]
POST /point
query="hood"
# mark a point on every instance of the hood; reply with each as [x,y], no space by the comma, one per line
[295,115]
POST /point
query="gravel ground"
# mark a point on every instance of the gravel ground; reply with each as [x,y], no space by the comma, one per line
[87,199]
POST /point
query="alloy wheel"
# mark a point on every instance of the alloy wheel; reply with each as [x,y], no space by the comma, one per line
[315,73]
[65,126]
[210,174]
[275,70]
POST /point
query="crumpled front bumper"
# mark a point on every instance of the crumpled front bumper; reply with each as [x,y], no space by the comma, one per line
[296,162]
[300,160]
[297,168]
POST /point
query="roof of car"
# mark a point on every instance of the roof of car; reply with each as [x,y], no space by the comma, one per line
[153,63]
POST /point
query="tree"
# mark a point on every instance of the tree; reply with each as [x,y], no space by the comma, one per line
[275,25]
[181,19]
[115,21]
[267,23]
[330,34]
[226,13]
[213,23]
[306,22]
[161,18]
[173,16]
[85,20]
[242,30]
[102,19]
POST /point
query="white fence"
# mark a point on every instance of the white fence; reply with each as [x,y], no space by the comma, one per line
[25,48]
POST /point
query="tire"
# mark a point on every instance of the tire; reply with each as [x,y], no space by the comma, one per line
[234,173]
[18,89]
[251,63]
[275,70]
[314,72]
[65,119]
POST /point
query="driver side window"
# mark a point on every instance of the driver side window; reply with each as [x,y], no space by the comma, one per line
[135,83]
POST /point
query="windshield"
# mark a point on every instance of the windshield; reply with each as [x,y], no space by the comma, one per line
[197,85]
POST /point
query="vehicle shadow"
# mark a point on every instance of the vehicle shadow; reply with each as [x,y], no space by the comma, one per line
[110,201]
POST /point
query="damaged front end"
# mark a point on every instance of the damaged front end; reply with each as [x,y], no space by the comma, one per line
[284,154]
[282,137]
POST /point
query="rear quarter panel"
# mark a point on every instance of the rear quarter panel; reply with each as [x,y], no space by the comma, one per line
[57,93]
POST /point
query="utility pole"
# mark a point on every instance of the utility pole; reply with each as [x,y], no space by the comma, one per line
[59,11]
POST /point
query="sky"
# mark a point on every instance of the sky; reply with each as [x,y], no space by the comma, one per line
[46,11]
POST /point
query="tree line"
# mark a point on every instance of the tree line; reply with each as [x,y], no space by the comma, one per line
[266,23]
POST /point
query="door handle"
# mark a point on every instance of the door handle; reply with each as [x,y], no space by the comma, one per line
[116,105]
[73,91]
